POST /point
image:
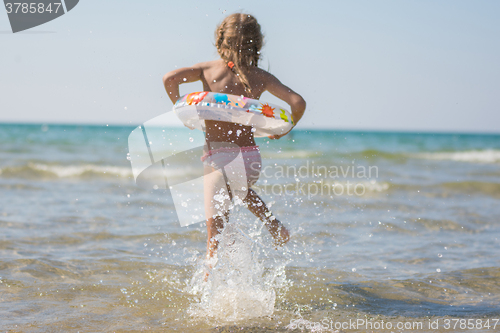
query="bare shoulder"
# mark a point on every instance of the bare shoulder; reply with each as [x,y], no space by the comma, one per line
[261,74]
[206,65]
[265,78]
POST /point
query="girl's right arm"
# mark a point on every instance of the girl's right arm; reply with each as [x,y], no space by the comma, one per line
[296,102]
[173,79]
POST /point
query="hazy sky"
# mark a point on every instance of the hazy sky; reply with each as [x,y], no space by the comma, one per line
[398,65]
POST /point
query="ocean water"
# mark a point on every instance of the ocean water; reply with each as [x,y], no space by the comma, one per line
[399,228]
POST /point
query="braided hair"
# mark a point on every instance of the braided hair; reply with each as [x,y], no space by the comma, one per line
[238,40]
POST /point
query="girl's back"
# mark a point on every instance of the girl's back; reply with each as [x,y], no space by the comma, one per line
[216,76]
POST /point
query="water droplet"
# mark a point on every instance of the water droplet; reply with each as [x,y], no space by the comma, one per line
[184,79]
[354,269]
[440,255]
[438,270]
[191,139]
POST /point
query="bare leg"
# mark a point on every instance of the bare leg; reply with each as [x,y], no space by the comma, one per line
[216,209]
[258,208]
[214,227]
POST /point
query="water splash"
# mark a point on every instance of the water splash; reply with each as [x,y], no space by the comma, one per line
[243,280]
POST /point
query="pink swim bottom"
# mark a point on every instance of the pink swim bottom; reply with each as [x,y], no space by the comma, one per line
[219,158]
[232,169]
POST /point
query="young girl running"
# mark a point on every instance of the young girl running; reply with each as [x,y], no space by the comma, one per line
[238,41]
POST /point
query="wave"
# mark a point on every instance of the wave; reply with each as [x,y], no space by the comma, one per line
[473,156]
[444,189]
[375,154]
[288,154]
[39,170]
[478,156]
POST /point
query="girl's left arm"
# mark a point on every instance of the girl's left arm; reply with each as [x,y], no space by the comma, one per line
[173,79]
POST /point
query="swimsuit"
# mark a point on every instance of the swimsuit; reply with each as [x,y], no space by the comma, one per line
[229,173]
[219,158]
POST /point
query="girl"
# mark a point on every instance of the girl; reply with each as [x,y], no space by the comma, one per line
[238,41]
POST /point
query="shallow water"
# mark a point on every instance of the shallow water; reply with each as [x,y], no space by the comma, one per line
[414,241]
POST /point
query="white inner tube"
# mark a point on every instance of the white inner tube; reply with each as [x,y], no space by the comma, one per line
[265,118]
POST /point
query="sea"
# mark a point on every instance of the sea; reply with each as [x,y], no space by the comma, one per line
[390,232]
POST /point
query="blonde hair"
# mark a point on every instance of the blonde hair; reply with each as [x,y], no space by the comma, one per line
[238,39]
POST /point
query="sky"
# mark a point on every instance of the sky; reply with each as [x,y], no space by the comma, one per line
[360,65]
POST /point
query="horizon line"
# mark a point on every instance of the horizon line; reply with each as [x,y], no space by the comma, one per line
[315,129]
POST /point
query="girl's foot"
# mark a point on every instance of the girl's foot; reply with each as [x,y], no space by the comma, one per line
[210,261]
[279,232]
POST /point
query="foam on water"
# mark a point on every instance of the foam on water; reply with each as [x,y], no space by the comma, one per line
[478,156]
[34,170]
[291,154]
[64,171]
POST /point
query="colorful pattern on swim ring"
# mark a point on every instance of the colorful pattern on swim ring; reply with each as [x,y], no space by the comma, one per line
[251,105]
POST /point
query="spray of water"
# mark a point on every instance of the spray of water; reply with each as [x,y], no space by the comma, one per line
[245,277]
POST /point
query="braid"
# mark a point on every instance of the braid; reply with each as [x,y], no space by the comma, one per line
[239,39]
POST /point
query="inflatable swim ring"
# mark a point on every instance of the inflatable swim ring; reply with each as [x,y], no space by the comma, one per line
[266,119]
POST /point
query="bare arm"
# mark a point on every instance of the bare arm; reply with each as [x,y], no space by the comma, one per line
[173,79]
[296,102]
